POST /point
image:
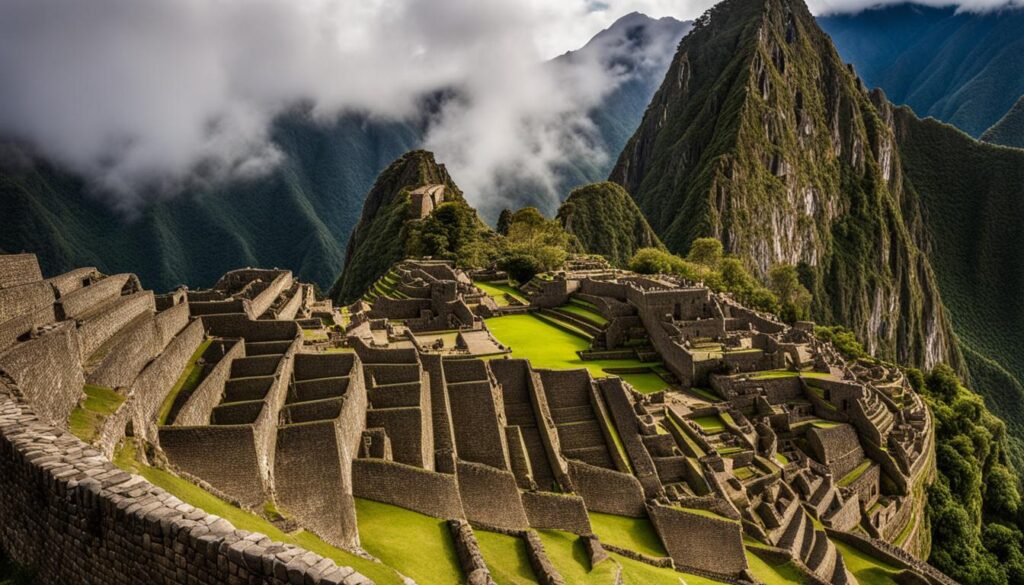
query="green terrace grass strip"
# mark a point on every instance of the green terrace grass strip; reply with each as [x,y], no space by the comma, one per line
[85,420]
[506,558]
[825,424]
[905,532]
[774,374]
[711,424]
[743,473]
[726,451]
[566,326]
[183,388]
[728,419]
[866,568]
[192,494]
[685,436]
[854,475]
[705,513]
[595,318]
[497,290]
[781,458]
[644,383]
[635,534]
[416,545]
[773,574]
[705,393]
[574,300]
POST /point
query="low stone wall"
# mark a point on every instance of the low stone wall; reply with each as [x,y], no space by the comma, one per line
[419,490]
[543,568]
[81,301]
[241,326]
[171,321]
[74,517]
[73,280]
[551,511]
[468,550]
[95,331]
[136,344]
[701,542]
[604,490]
[490,496]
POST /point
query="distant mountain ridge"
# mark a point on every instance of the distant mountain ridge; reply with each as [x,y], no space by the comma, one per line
[1009,130]
[302,214]
[961,67]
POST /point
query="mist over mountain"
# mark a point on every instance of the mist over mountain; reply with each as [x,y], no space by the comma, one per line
[325,168]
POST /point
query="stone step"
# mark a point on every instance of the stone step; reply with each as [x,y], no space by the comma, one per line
[314,410]
[318,389]
[247,389]
[237,413]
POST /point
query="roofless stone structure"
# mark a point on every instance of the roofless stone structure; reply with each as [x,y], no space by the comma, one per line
[768,440]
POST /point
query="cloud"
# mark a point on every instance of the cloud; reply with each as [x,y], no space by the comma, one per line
[144,97]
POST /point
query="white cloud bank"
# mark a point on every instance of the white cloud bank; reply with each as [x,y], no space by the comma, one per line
[141,95]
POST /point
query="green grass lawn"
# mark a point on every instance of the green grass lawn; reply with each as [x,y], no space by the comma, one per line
[570,558]
[506,558]
[587,314]
[630,533]
[416,545]
[865,568]
[183,388]
[784,574]
[549,347]
[711,424]
[192,494]
[85,420]
[498,290]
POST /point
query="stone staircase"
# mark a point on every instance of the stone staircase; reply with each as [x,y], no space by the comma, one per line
[579,430]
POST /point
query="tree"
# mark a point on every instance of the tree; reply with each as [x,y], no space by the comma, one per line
[706,252]
[504,221]
[784,281]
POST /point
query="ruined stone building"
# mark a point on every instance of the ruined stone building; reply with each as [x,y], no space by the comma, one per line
[407,398]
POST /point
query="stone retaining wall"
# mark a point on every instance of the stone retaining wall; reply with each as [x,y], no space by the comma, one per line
[490,496]
[427,492]
[48,371]
[74,517]
[699,541]
[551,511]
[607,491]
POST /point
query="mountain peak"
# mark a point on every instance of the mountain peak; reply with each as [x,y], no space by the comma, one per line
[761,137]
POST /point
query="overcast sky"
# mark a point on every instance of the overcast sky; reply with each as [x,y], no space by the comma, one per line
[137,94]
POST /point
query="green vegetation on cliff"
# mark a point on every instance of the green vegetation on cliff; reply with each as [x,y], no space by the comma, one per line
[974,507]
[607,221]
[379,239]
[761,137]
[970,199]
[1009,130]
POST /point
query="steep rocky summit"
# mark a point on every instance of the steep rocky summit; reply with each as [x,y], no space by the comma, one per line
[607,221]
[378,240]
[761,136]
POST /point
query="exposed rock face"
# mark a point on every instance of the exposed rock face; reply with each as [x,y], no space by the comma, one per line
[607,221]
[761,137]
[378,242]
